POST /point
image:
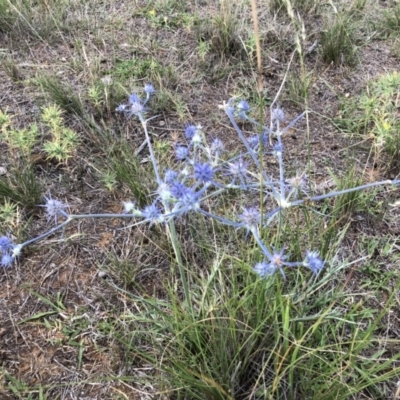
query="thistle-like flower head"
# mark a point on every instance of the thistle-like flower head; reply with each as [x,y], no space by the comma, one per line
[152,214]
[298,184]
[250,218]
[178,189]
[54,208]
[170,176]
[313,261]
[149,89]
[6,260]
[16,251]
[243,105]
[255,140]
[181,153]
[216,146]
[264,269]
[190,131]
[274,262]
[121,108]
[242,108]
[277,114]
[203,172]
[6,244]
[197,138]
[237,169]
[164,193]
[189,200]
[136,106]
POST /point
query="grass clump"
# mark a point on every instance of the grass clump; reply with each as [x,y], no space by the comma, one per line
[128,72]
[391,20]
[62,95]
[170,17]
[303,6]
[299,86]
[124,168]
[373,115]
[19,184]
[7,18]
[223,34]
[338,41]
[251,338]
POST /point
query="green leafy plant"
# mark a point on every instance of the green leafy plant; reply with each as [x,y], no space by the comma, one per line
[19,184]
[64,141]
[373,114]
[7,17]
[391,22]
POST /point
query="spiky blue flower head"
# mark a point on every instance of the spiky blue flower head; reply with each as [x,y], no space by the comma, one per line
[181,153]
[54,208]
[216,146]
[136,105]
[189,201]
[6,244]
[242,108]
[255,140]
[164,193]
[134,98]
[190,131]
[6,260]
[237,169]
[313,261]
[277,114]
[197,137]
[275,262]
[278,149]
[121,108]
[298,184]
[278,259]
[243,105]
[152,214]
[170,176]
[149,89]
[250,218]
[178,189]
[264,269]
[203,172]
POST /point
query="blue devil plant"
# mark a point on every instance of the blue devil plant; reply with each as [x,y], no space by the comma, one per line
[203,174]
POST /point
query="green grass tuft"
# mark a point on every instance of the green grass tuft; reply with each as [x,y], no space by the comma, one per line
[248,337]
[338,42]
[62,95]
[373,114]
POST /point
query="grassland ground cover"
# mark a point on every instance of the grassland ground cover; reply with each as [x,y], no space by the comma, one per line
[107,310]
